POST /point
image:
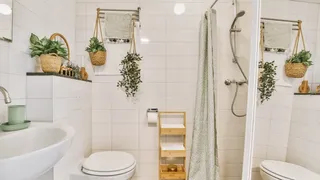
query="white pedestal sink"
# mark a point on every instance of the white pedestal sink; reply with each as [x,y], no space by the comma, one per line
[27,154]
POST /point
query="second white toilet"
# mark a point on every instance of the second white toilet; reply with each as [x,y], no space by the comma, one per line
[277,170]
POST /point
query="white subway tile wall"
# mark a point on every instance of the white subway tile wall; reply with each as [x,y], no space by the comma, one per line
[66,101]
[272,128]
[169,75]
[304,140]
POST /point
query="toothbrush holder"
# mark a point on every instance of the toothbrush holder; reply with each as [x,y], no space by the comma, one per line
[16,114]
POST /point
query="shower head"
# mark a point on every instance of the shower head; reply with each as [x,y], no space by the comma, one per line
[240,14]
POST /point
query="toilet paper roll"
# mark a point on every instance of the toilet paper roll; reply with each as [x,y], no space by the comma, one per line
[152,117]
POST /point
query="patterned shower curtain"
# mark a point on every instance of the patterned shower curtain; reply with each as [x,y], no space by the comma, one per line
[204,155]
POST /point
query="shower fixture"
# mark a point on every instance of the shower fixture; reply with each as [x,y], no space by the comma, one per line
[240,14]
[233,30]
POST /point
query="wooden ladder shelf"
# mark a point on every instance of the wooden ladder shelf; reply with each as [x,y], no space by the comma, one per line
[172,150]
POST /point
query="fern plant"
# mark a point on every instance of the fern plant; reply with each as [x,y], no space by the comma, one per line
[267,80]
[95,45]
[302,57]
[46,46]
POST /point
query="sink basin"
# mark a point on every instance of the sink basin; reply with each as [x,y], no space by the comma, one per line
[27,154]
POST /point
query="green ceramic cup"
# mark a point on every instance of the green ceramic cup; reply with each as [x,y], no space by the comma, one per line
[16,114]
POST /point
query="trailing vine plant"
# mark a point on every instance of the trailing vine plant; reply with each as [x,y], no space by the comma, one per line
[267,80]
[131,74]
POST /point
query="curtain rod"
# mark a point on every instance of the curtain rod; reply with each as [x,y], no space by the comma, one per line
[281,20]
[214,3]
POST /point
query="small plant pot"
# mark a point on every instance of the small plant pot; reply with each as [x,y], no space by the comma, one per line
[295,70]
[50,63]
[98,58]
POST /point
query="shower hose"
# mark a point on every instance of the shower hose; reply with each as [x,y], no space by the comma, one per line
[234,100]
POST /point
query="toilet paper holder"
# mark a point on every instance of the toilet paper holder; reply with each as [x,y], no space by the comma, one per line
[152,110]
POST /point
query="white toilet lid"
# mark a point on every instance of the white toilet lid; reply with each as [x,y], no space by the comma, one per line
[109,163]
[288,171]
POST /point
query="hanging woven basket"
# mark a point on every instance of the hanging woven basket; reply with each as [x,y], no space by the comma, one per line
[50,63]
[98,58]
[295,70]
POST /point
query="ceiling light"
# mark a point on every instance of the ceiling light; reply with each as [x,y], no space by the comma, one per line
[144,40]
[179,8]
[5,9]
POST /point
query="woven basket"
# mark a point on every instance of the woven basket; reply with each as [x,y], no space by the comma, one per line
[98,58]
[295,70]
[50,62]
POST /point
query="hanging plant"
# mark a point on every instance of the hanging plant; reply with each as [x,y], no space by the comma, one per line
[267,80]
[297,65]
[96,49]
[131,74]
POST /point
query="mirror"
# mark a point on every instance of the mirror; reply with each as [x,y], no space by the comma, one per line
[6,20]
[286,135]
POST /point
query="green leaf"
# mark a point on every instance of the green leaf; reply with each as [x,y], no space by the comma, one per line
[302,57]
[95,45]
[46,46]
[33,38]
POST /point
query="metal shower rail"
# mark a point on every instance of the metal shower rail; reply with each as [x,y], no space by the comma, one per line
[281,20]
[295,23]
[135,13]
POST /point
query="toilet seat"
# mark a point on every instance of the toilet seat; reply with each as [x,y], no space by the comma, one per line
[109,163]
[286,171]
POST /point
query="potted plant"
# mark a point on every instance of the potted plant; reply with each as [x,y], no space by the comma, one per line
[50,53]
[267,82]
[97,52]
[296,66]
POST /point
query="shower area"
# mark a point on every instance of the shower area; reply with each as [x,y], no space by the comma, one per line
[223,66]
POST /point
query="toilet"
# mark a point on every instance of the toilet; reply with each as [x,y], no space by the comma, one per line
[110,165]
[277,170]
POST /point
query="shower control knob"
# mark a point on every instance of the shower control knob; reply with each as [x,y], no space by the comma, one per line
[227,82]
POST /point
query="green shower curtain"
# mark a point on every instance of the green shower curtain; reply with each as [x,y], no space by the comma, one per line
[204,154]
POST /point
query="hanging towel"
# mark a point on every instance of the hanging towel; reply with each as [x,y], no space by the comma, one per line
[277,35]
[118,26]
[204,152]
